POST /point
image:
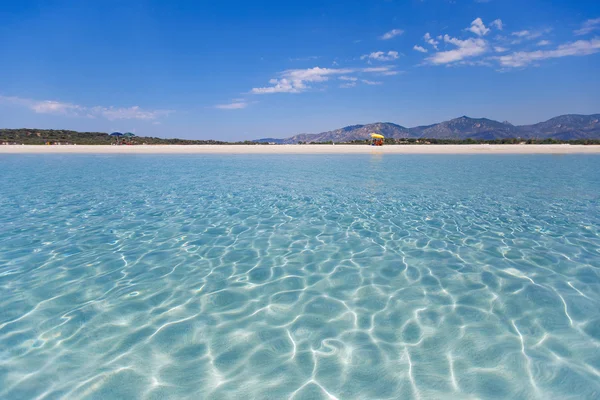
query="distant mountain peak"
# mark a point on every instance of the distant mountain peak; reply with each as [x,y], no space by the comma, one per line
[351,127]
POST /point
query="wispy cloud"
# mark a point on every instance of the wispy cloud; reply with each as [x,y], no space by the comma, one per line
[308,58]
[524,58]
[544,43]
[135,112]
[295,80]
[520,33]
[368,82]
[383,70]
[500,49]
[477,27]
[74,110]
[282,85]
[465,49]
[588,26]
[428,39]
[301,80]
[381,56]
[497,23]
[529,35]
[391,34]
[473,63]
[236,104]
[391,73]
[420,49]
[526,34]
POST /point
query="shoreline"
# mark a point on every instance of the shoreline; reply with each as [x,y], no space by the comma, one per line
[306,149]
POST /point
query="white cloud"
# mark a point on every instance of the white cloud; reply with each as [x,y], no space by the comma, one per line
[308,58]
[530,35]
[383,70]
[55,107]
[420,49]
[298,80]
[544,43]
[465,49]
[427,37]
[588,26]
[294,80]
[497,23]
[478,28]
[279,86]
[381,56]
[368,82]
[476,63]
[236,104]
[135,112]
[392,34]
[521,33]
[524,58]
[74,110]
[499,49]
[348,85]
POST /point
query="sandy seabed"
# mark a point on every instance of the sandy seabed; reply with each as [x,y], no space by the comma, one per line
[304,149]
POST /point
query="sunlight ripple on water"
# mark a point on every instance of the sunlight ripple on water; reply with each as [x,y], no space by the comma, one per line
[304,277]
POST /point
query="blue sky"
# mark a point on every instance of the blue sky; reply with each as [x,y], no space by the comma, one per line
[243,70]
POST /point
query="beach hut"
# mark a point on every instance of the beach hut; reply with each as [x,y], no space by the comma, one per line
[377,139]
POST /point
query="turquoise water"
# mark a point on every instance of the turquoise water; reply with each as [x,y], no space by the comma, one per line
[305,277]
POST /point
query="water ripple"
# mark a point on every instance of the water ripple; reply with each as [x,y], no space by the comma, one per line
[300,277]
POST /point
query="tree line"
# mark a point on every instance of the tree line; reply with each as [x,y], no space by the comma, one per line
[51,136]
[473,141]
[61,136]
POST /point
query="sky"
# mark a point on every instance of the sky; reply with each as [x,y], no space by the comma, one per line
[237,70]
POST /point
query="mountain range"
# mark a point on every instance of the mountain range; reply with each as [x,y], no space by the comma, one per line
[564,127]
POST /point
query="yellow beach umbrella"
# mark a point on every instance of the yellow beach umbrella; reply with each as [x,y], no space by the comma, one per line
[377,136]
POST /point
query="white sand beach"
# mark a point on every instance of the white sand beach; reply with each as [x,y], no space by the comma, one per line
[303,149]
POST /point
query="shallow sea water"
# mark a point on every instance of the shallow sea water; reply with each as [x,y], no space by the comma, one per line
[298,276]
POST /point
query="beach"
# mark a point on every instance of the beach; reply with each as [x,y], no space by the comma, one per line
[304,149]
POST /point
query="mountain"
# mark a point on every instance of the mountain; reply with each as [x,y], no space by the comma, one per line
[349,133]
[465,127]
[565,127]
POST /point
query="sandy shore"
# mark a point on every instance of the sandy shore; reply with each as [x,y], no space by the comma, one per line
[305,149]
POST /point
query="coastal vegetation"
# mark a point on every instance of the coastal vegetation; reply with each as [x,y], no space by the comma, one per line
[483,141]
[413,141]
[55,137]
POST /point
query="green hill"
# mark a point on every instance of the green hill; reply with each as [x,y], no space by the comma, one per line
[43,136]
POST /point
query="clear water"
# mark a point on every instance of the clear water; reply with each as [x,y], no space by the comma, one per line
[305,277]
